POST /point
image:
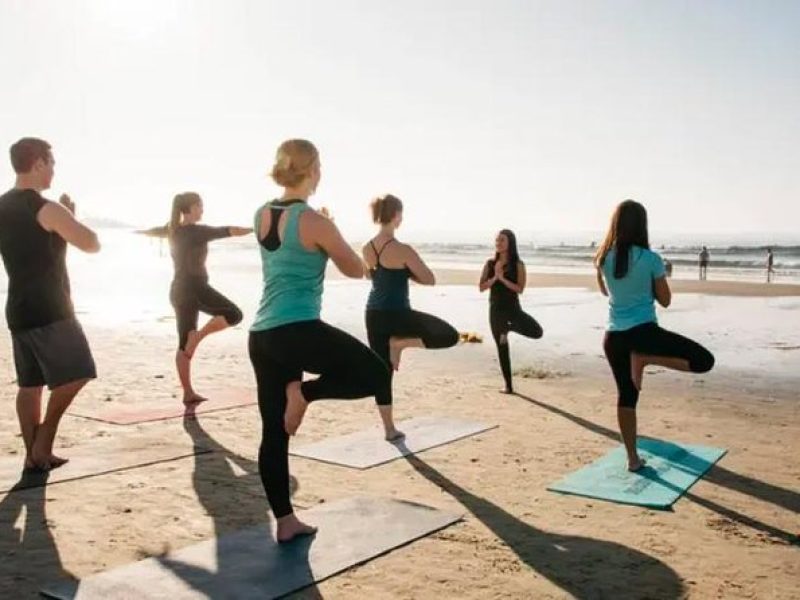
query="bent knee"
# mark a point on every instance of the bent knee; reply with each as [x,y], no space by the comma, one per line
[233,317]
[703,363]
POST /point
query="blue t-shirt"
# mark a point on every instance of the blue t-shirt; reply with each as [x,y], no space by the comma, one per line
[630,299]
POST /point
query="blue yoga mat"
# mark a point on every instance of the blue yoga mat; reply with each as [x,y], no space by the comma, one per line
[670,471]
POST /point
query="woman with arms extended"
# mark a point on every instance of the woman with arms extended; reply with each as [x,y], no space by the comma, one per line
[391,324]
[505,277]
[288,338]
[633,277]
[190,292]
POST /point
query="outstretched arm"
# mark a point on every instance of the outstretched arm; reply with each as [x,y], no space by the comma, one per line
[238,231]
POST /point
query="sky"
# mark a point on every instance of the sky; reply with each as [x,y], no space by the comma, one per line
[538,116]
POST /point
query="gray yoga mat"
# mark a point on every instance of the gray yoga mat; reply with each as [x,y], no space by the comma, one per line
[92,460]
[250,564]
[367,448]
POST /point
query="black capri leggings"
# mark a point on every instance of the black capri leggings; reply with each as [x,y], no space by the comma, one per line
[384,324]
[503,320]
[347,369]
[191,298]
[649,339]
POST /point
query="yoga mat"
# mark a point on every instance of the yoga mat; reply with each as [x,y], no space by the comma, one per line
[365,449]
[250,564]
[144,410]
[670,471]
[93,460]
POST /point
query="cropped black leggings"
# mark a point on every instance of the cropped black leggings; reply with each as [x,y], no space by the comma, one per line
[652,340]
[505,319]
[347,369]
[190,298]
[385,324]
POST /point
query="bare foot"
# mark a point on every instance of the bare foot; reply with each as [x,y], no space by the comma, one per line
[290,527]
[395,350]
[296,407]
[56,461]
[193,398]
[636,465]
[42,452]
[192,339]
[637,370]
[394,435]
[507,391]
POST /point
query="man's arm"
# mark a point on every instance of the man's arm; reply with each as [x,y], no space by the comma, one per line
[60,219]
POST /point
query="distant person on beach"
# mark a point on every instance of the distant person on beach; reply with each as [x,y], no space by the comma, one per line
[392,326]
[505,277]
[633,277]
[49,345]
[668,267]
[770,265]
[190,293]
[288,338]
[703,263]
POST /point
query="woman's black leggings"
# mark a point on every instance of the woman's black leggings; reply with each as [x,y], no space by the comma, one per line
[190,298]
[347,369]
[385,324]
[503,320]
[652,340]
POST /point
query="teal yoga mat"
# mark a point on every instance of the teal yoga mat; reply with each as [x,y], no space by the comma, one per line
[670,471]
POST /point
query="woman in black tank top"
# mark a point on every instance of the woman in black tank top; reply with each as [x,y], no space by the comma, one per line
[504,276]
[190,293]
[392,325]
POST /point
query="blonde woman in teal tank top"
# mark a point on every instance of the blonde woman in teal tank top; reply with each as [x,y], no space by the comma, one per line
[288,338]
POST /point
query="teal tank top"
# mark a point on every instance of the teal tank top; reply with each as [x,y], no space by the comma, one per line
[292,275]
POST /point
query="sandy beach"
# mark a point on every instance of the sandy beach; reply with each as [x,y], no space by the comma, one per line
[734,535]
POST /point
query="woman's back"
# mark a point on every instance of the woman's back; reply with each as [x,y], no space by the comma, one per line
[389,275]
[631,298]
[293,275]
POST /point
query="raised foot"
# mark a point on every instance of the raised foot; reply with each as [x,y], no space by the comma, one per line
[291,527]
[296,407]
[637,370]
[394,435]
[395,351]
[636,465]
[192,340]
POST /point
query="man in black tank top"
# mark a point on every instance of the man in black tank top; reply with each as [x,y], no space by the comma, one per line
[49,345]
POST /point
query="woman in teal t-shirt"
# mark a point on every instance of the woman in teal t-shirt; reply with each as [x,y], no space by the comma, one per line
[288,338]
[633,277]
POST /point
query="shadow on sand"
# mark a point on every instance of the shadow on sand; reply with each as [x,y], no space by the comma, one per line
[29,553]
[583,567]
[718,475]
[223,493]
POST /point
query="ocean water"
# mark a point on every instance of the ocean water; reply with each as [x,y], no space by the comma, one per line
[129,279]
[126,286]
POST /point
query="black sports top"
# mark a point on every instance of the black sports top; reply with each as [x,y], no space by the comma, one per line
[189,247]
[499,294]
[35,260]
[389,286]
